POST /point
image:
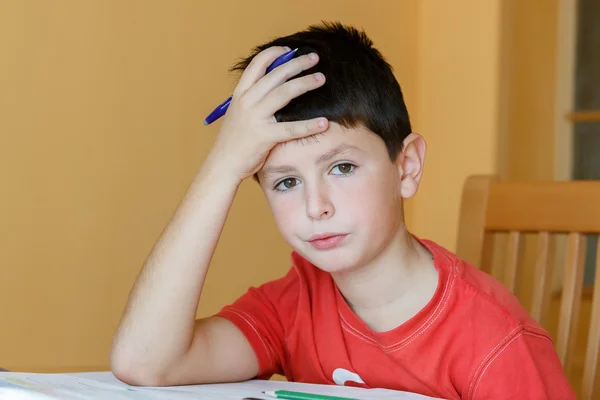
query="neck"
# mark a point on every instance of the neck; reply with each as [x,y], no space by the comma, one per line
[387,290]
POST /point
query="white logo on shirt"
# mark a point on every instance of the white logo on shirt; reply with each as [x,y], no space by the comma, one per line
[341,376]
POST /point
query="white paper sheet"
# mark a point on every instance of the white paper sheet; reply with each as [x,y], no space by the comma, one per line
[104,386]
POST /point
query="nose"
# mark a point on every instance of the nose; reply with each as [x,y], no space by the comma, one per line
[318,202]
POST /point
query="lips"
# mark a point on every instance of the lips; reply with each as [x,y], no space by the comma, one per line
[327,241]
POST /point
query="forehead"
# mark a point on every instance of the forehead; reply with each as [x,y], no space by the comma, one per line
[309,149]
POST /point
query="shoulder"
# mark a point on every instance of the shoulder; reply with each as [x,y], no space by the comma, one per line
[487,298]
[524,365]
[497,338]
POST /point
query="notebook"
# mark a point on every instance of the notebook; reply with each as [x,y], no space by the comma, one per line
[104,386]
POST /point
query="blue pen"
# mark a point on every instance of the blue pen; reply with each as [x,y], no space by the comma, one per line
[222,108]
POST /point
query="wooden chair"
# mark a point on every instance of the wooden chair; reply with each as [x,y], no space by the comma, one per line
[545,208]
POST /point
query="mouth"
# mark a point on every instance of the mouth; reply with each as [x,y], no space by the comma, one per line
[327,241]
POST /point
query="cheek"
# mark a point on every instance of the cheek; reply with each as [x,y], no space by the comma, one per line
[373,201]
[284,208]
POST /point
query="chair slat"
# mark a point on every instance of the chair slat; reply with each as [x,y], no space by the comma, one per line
[512,259]
[471,235]
[487,255]
[543,276]
[593,346]
[571,298]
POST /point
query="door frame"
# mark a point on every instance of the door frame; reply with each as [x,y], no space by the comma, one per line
[566,39]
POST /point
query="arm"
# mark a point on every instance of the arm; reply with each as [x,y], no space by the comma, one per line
[158,333]
[526,366]
[158,341]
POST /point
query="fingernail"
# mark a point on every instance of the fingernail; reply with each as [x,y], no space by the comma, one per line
[287,48]
[322,123]
[319,76]
[313,56]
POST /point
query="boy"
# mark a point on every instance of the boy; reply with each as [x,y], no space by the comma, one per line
[328,138]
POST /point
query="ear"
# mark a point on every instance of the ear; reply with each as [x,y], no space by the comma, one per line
[410,164]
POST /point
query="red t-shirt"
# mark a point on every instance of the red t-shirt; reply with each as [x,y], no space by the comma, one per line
[473,340]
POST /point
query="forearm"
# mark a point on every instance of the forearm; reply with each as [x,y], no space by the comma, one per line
[157,326]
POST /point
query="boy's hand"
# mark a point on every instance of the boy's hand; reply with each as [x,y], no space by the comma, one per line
[249,129]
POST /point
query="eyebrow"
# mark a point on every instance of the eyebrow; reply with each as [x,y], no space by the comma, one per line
[325,157]
[343,148]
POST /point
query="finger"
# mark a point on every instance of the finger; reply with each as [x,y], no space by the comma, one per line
[258,66]
[282,95]
[285,131]
[280,75]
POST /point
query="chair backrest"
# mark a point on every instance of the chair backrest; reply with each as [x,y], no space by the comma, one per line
[490,206]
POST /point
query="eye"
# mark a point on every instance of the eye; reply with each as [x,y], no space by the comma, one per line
[343,169]
[286,184]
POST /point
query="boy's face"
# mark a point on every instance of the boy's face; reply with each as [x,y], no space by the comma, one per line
[337,197]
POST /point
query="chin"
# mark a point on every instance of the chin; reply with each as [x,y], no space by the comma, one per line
[334,260]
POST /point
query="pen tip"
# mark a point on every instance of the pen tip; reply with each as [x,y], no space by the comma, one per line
[205,122]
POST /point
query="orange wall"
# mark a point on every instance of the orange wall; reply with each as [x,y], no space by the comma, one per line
[530,77]
[101,131]
[458,107]
[486,90]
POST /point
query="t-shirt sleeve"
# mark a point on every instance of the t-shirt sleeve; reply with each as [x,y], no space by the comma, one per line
[262,314]
[524,366]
